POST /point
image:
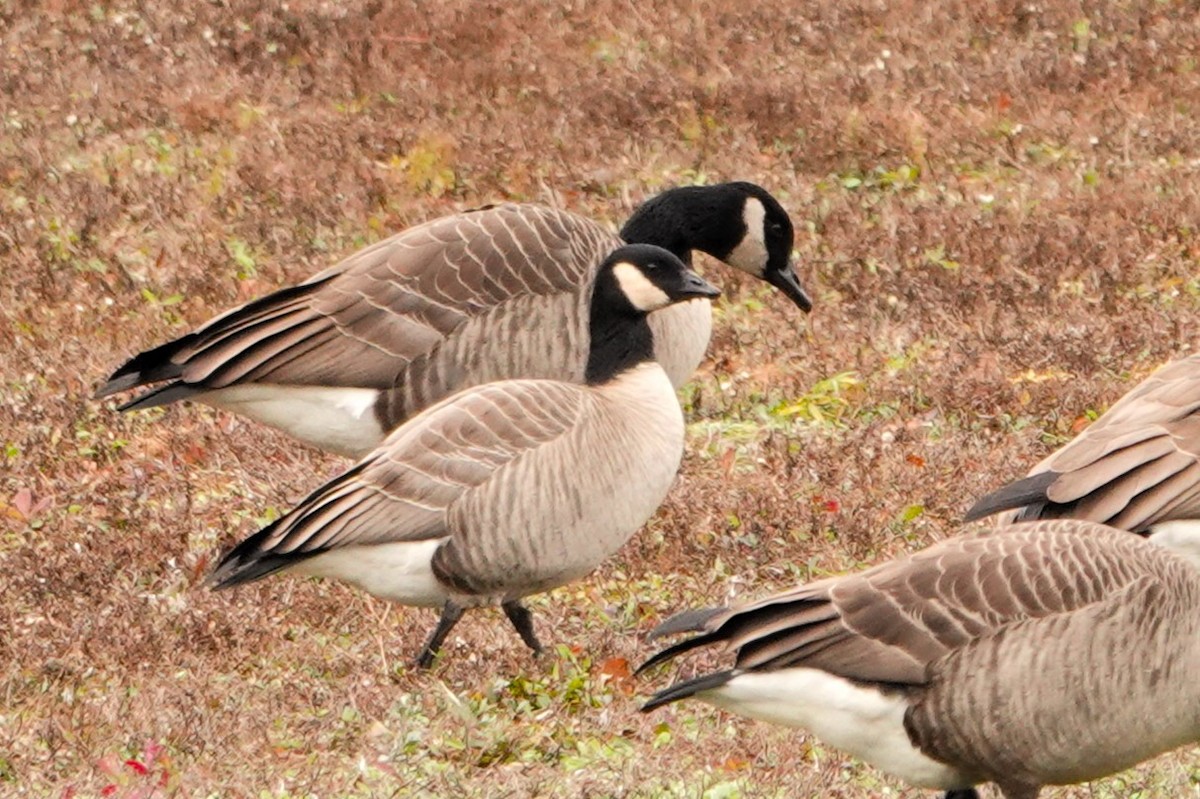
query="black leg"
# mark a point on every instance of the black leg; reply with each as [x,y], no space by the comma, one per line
[522,619]
[451,613]
[962,793]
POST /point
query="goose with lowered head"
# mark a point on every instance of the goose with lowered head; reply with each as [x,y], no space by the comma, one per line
[502,292]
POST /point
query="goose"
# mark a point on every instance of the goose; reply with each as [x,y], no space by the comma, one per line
[345,357]
[1136,468]
[506,489]
[1046,653]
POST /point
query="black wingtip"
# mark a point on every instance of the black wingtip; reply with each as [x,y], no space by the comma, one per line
[152,366]
[247,562]
[241,566]
[683,690]
[689,621]
[116,384]
[1026,491]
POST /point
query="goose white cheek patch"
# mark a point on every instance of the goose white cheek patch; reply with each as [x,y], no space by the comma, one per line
[642,294]
[751,253]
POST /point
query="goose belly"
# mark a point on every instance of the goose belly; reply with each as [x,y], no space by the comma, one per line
[681,334]
[400,571]
[858,719]
[335,419]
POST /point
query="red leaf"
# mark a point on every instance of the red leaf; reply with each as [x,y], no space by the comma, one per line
[108,790]
[152,751]
[728,459]
[616,669]
[1003,102]
[23,501]
[194,453]
[831,506]
[915,460]
[137,766]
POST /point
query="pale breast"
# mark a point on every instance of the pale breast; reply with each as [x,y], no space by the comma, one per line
[554,515]
[681,334]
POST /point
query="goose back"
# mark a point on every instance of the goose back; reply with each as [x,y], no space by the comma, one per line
[1135,468]
[1043,653]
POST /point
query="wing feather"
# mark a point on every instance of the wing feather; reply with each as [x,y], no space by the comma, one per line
[405,489]
[888,624]
[359,323]
[1132,468]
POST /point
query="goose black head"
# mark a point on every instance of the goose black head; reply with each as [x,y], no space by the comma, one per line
[739,223]
[640,278]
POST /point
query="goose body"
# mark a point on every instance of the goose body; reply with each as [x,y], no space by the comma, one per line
[499,293]
[1135,468]
[1049,652]
[506,489]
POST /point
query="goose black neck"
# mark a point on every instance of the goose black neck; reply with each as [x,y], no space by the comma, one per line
[620,340]
[689,218]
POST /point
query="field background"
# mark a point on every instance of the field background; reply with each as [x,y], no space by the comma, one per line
[995,206]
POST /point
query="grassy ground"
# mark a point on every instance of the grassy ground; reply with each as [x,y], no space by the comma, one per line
[995,207]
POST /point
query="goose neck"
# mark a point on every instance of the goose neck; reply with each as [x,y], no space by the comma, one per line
[618,343]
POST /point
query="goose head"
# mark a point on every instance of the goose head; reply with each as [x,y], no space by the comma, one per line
[640,278]
[739,223]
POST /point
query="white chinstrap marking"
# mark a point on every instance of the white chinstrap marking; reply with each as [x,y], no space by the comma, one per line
[642,294]
[340,420]
[750,255]
[857,719]
[399,571]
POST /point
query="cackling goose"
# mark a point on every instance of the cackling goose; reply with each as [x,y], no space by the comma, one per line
[506,489]
[498,293]
[1046,653]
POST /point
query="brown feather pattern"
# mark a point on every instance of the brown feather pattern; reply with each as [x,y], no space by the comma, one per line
[374,313]
[1049,652]
[1136,466]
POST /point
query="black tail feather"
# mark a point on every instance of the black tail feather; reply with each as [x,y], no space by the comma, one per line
[682,690]
[1027,491]
[232,573]
[246,562]
[676,649]
[164,395]
[156,365]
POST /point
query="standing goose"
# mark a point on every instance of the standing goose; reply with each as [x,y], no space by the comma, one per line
[498,293]
[506,489]
[1135,468]
[1047,653]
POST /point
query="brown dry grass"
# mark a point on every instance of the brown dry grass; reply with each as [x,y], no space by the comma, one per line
[995,204]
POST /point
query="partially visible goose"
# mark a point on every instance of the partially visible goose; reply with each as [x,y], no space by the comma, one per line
[343,358]
[1136,468]
[506,489]
[1046,653]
